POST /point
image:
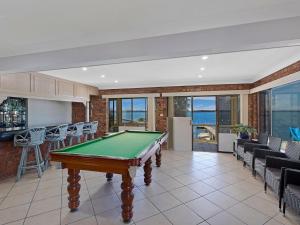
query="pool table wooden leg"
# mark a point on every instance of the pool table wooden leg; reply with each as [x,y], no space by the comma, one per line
[73,189]
[127,197]
[158,158]
[147,171]
[109,176]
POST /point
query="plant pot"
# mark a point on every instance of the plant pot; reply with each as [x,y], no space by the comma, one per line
[244,136]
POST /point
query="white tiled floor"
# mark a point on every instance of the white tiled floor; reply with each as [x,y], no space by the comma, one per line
[189,188]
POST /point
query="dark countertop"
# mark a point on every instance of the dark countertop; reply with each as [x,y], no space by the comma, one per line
[9,135]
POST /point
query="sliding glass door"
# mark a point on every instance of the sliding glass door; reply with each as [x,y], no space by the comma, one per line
[204,119]
[210,116]
[264,111]
[285,109]
[228,112]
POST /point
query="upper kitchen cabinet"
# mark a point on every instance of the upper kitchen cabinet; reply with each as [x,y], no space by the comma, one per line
[81,91]
[65,88]
[18,83]
[43,85]
[38,85]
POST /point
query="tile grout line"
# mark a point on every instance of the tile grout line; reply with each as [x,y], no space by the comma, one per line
[38,183]
[223,210]
[186,185]
[31,202]
[98,222]
[242,201]
[2,199]
[61,193]
[169,192]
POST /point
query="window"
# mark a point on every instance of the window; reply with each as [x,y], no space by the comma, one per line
[182,106]
[228,109]
[134,111]
[127,111]
[285,109]
[113,119]
[264,110]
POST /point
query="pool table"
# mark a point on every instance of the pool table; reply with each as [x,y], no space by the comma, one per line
[119,153]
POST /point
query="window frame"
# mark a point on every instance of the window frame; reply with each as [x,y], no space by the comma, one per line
[132,121]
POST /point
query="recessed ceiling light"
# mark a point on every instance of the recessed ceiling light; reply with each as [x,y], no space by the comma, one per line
[205,57]
[200,76]
[116,81]
[84,68]
[202,68]
[103,76]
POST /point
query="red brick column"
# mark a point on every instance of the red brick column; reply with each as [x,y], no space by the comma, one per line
[99,112]
[253,110]
[78,112]
[161,113]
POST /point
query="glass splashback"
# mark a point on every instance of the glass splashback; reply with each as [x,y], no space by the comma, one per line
[13,114]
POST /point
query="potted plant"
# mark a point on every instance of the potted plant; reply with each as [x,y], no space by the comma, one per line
[244,131]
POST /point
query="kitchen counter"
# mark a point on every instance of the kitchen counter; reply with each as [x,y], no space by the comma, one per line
[9,135]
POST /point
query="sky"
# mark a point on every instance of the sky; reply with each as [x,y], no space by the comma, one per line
[204,103]
[139,104]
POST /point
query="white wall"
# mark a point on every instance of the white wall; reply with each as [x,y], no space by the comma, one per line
[47,112]
[151,113]
[244,109]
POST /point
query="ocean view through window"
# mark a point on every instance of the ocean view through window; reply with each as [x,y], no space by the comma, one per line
[134,111]
[285,109]
[127,112]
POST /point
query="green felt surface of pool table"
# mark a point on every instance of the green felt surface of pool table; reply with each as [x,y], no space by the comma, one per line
[125,145]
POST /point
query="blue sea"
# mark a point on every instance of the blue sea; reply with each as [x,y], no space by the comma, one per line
[208,118]
[137,116]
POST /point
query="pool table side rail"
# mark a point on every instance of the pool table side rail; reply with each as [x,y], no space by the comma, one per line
[131,131]
[65,151]
[102,163]
[160,141]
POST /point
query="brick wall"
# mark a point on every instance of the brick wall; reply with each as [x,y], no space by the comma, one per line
[99,112]
[78,112]
[293,68]
[253,110]
[161,113]
[193,88]
[10,158]
[253,98]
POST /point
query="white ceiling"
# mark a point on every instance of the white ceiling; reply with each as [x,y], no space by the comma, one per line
[238,67]
[32,26]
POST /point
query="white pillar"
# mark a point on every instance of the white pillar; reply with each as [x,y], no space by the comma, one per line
[151,113]
[244,109]
[87,111]
[171,106]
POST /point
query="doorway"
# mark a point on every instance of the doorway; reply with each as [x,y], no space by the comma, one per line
[211,116]
[204,123]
